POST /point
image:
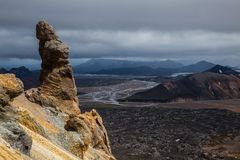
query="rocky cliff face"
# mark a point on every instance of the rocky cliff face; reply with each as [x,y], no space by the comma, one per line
[45,123]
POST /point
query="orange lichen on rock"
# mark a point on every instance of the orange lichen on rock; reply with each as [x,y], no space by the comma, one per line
[90,126]
[12,85]
[28,121]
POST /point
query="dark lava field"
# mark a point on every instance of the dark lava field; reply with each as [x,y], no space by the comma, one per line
[154,133]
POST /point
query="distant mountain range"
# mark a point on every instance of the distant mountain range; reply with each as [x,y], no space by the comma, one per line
[218,82]
[101,65]
[124,67]
[155,68]
[149,71]
[197,67]
[119,67]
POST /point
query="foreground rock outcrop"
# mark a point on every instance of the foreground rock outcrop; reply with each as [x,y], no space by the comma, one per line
[10,87]
[57,86]
[45,123]
[90,125]
[12,134]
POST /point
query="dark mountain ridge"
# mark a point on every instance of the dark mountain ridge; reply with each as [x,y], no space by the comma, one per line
[20,71]
[29,78]
[222,70]
[208,85]
[196,67]
[3,70]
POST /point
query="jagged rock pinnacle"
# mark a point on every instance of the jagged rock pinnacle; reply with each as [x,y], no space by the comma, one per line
[57,86]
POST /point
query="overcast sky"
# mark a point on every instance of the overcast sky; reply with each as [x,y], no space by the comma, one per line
[184,30]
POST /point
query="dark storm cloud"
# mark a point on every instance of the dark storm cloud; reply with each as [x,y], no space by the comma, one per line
[126,28]
[125,14]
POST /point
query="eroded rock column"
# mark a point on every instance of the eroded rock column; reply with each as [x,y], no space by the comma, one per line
[57,86]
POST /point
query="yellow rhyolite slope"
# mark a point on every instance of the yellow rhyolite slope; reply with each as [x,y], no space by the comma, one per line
[57,143]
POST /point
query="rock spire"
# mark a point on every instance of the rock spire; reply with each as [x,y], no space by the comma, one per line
[57,86]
